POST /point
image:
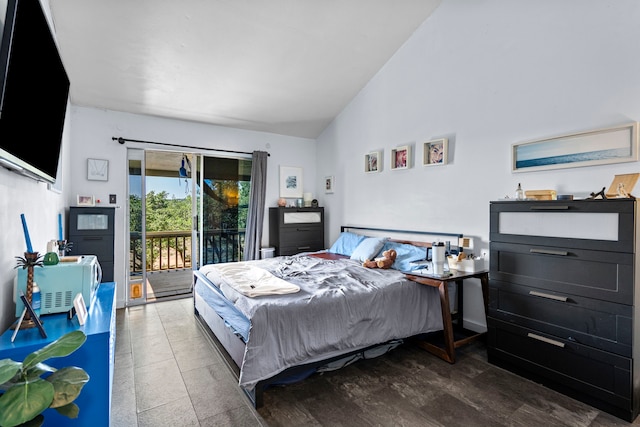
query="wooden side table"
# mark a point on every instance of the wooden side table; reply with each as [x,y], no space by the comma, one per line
[454,335]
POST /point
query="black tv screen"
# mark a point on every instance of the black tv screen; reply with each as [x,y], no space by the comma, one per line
[34,88]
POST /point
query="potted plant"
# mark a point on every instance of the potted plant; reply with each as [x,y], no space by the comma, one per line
[26,393]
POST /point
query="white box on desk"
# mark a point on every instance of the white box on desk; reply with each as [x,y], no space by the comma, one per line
[471,265]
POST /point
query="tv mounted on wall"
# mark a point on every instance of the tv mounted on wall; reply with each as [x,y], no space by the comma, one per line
[34,89]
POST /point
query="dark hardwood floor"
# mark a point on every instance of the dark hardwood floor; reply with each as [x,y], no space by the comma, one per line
[410,387]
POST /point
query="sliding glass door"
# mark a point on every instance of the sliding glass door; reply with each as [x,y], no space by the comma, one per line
[185,210]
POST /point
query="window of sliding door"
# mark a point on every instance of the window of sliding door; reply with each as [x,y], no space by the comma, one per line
[224,199]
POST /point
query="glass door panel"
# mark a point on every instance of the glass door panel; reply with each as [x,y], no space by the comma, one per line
[223,189]
[136,292]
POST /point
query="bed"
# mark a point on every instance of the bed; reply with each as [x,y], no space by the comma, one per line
[278,320]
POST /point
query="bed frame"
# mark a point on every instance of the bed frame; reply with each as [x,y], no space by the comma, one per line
[231,347]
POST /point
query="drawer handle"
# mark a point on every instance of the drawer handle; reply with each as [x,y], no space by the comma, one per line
[548,252]
[302,229]
[304,247]
[545,339]
[553,297]
[550,208]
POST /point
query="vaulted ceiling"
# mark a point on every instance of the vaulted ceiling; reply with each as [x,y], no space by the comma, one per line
[281,66]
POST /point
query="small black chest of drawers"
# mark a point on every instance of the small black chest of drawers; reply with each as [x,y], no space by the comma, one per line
[296,230]
[91,230]
[563,303]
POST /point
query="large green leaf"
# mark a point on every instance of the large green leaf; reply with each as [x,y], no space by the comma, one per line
[71,410]
[63,346]
[67,383]
[8,369]
[23,402]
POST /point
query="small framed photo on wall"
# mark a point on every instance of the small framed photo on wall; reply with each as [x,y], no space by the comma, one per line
[328,184]
[372,162]
[290,182]
[401,157]
[86,200]
[435,152]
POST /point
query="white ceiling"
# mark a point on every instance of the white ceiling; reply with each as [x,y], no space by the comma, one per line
[280,66]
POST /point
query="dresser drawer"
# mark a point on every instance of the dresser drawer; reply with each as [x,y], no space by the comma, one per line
[607,276]
[591,373]
[595,323]
[606,225]
[298,248]
[301,235]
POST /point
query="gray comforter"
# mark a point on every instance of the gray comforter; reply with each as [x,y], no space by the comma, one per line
[341,306]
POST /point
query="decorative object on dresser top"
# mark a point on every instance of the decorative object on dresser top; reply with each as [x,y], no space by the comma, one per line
[565,297]
[330,310]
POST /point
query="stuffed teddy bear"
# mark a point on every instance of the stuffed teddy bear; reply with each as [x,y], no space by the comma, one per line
[386,261]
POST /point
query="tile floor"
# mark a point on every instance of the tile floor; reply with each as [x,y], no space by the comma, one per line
[163,378]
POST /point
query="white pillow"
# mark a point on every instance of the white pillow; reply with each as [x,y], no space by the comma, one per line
[368,249]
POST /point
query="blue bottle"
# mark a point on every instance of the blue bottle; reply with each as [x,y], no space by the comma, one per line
[36,300]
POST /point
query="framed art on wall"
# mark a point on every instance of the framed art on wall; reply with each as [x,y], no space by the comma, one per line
[400,157]
[435,152]
[97,170]
[328,184]
[372,162]
[615,144]
[290,182]
[86,200]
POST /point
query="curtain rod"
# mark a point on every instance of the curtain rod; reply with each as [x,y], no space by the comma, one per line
[122,140]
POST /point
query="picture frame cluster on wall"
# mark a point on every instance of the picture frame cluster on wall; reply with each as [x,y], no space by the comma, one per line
[434,153]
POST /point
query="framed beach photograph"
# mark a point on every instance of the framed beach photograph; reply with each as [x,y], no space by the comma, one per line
[435,152]
[86,200]
[372,162]
[328,184]
[615,144]
[290,182]
[400,157]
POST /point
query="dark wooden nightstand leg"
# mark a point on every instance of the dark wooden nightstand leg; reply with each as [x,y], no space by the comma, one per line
[447,325]
[448,352]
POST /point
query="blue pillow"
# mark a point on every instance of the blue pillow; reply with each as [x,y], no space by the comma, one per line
[405,254]
[346,243]
[368,249]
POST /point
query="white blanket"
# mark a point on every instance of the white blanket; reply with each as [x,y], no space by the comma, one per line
[254,281]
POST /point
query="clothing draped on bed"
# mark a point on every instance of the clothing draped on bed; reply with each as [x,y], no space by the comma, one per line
[340,307]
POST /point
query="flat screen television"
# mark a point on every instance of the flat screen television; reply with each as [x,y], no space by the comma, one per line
[34,89]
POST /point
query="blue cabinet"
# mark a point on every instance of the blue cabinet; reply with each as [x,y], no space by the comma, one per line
[95,356]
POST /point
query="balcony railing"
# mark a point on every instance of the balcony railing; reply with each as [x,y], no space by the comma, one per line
[169,250]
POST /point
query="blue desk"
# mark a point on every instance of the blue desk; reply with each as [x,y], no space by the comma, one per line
[95,356]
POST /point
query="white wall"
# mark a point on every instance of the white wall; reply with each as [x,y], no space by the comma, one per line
[92,134]
[484,74]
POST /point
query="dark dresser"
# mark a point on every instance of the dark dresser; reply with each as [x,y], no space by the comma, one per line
[295,230]
[562,298]
[91,229]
